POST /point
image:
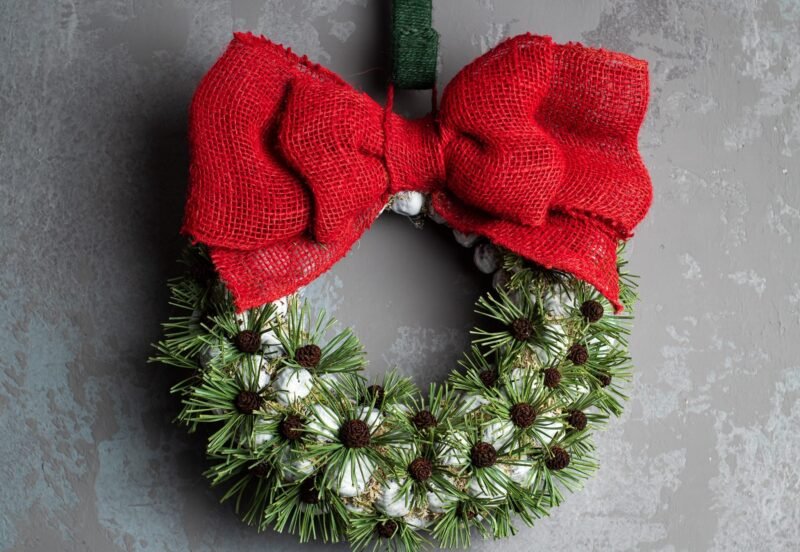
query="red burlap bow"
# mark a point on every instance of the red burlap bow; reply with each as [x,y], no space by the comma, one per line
[534,147]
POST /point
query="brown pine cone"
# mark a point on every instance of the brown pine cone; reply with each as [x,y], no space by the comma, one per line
[260,470]
[592,310]
[521,329]
[292,427]
[354,434]
[522,415]
[463,510]
[559,459]
[488,377]
[577,419]
[578,354]
[375,393]
[247,341]
[424,419]
[248,401]
[308,356]
[483,455]
[552,377]
[202,272]
[605,379]
[206,319]
[218,296]
[386,529]
[309,494]
[421,469]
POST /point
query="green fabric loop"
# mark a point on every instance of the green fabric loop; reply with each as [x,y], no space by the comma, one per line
[414,44]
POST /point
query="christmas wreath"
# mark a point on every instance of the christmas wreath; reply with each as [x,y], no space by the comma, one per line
[532,160]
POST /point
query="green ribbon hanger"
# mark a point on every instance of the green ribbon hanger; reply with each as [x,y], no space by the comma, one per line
[414,44]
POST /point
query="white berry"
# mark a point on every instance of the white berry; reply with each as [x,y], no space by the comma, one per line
[498,434]
[408,204]
[391,501]
[271,345]
[451,452]
[292,384]
[355,508]
[557,303]
[263,378]
[558,345]
[471,401]
[293,468]
[548,427]
[352,478]
[521,378]
[262,437]
[439,500]
[465,240]
[519,473]
[324,422]
[416,522]
[281,306]
[485,489]
[242,319]
[257,366]
[371,416]
[207,355]
[399,409]
[328,380]
[501,279]
[486,258]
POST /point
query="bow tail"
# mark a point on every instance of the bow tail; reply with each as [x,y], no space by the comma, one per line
[583,246]
[281,268]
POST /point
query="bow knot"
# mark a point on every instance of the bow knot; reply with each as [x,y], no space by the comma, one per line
[534,148]
[414,153]
[351,154]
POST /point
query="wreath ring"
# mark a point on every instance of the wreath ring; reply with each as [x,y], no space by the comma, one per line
[304,443]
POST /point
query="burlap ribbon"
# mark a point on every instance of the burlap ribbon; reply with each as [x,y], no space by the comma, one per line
[534,147]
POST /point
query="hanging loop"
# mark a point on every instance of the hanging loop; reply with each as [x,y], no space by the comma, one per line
[415,44]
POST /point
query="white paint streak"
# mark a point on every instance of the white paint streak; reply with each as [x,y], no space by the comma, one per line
[692,269]
[751,279]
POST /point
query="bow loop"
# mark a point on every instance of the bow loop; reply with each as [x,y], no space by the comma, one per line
[242,195]
[491,108]
[595,121]
[327,136]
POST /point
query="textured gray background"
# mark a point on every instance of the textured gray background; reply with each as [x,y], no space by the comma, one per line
[93,99]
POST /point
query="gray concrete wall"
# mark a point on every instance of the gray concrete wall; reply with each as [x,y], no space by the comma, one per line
[93,99]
